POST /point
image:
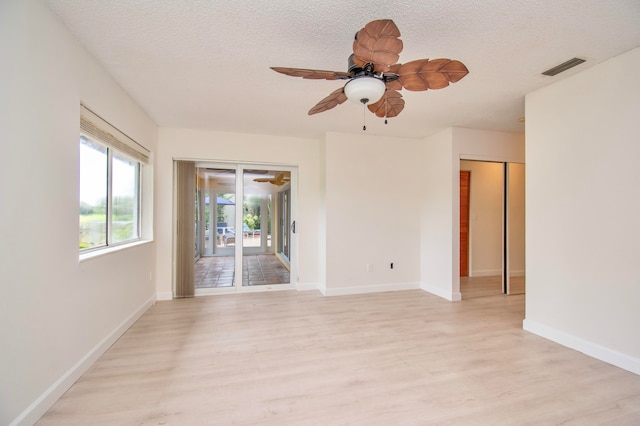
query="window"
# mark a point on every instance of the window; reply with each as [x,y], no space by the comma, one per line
[126,200]
[110,170]
[93,194]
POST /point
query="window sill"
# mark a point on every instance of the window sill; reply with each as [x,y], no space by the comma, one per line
[108,250]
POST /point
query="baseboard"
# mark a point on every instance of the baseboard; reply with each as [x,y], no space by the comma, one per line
[164,295]
[49,397]
[594,350]
[437,291]
[374,288]
[300,287]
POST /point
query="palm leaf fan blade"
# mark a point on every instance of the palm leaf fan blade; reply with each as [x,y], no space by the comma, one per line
[390,105]
[423,74]
[456,70]
[378,43]
[312,74]
[334,99]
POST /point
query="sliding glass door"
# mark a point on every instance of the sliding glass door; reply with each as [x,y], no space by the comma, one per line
[261,264]
[243,223]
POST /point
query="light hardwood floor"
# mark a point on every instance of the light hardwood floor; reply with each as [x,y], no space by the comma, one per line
[298,358]
[473,287]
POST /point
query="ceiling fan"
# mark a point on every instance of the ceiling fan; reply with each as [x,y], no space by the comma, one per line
[279,180]
[374,76]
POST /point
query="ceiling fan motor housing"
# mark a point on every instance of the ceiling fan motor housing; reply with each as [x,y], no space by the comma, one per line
[352,67]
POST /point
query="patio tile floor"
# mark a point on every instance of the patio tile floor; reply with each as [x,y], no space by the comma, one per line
[218,271]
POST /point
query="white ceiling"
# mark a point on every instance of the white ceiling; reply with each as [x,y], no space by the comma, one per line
[205,63]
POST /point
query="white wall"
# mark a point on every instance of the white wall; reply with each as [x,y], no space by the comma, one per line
[241,148]
[485,217]
[436,216]
[440,209]
[582,209]
[322,223]
[372,213]
[56,314]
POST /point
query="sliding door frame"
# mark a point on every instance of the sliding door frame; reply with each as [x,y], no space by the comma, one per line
[239,250]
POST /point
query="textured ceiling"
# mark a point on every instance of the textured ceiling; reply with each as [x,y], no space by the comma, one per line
[205,63]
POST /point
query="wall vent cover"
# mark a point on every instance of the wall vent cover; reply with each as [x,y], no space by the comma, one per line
[563,66]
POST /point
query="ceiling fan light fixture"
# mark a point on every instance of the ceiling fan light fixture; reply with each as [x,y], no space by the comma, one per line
[365,89]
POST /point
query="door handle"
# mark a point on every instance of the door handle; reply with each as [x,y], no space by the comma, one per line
[293,226]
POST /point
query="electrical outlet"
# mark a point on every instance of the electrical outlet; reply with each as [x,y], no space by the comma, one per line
[369,267]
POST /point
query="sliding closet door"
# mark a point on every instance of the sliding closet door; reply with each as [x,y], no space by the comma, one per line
[515,228]
[485,260]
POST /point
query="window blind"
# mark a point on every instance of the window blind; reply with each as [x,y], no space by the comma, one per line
[94,125]
[185,172]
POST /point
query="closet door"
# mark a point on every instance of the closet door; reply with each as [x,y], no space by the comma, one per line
[515,228]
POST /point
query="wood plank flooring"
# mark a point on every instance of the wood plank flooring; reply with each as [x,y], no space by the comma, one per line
[298,358]
[473,287]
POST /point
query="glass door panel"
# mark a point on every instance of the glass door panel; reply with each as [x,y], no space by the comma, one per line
[217,210]
[225,213]
[261,265]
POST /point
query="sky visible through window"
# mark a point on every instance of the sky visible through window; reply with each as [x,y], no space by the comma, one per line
[93,174]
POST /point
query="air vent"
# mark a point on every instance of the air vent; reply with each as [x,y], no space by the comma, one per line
[563,67]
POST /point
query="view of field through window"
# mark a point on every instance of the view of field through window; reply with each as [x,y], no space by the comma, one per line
[109,200]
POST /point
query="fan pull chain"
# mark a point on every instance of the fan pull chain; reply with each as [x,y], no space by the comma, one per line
[385,112]
[364,117]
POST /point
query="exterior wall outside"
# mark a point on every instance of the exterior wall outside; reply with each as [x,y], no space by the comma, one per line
[582,205]
[57,314]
